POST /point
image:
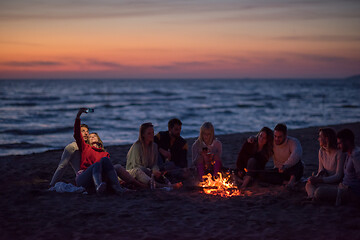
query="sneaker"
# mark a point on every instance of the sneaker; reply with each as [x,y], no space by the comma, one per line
[118,189]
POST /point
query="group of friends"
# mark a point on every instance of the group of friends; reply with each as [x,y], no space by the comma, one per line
[161,161]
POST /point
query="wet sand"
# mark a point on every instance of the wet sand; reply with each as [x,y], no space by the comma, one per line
[29,211]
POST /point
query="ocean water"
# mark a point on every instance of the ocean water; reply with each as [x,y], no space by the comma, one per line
[38,115]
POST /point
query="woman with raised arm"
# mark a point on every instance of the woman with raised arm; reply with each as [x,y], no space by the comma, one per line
[96,170]
[253,156]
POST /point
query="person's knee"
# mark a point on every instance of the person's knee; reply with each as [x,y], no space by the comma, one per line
[106,164]
[319,194]
[118,167]
[96,167]
[105,160]
[308,185]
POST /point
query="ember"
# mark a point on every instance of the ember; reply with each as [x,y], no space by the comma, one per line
[219,186]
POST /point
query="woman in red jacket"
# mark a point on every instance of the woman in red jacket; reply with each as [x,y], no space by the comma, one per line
[96,169]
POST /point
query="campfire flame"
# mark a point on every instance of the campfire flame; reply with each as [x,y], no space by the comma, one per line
[219,186]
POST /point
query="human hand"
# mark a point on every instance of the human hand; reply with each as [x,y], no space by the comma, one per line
[156,173]
[204,153]
[315,179]
[81,110]
[251,139]
[167,155]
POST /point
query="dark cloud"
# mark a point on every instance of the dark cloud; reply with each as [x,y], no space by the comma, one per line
[107,64]
[321,58]
[321,38]
[259,10]
[177,65]
[31,64]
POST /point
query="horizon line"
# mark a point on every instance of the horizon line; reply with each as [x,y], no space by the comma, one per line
[356,76]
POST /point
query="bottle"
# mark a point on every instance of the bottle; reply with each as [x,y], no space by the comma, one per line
[89,110]
[166,180]
[152,182]
[167,159]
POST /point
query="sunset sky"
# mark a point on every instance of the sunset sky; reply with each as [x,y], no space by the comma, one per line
[66,39]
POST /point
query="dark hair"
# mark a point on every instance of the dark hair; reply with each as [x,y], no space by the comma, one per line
[173,122]
[268,148]
[347,135]
[330,134]
[281,127]
[84,125]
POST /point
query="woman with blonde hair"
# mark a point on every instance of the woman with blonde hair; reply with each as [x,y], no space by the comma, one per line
[206,151]
[95,140]
[142,157]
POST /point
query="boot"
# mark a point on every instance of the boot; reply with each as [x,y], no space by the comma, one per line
[100,186]
[115,184]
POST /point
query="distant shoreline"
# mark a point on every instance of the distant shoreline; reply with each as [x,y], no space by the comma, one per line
[222,137]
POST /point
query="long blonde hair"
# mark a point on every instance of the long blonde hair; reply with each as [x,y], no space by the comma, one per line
[99,141]
[207,126]
[146,152]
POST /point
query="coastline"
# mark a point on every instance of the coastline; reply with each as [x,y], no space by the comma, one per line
[29,211]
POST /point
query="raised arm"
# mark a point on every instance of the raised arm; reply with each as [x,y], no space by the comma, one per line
[77,130]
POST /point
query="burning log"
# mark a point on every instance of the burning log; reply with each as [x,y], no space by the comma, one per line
[219,186]
[260,171]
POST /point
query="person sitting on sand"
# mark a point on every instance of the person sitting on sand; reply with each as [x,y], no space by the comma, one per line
[254,156]
[172,150]
[331,162]
[287,159]
[287,156]
[70,155]
[96,170]
[141,160]
[349,189]
[206,151]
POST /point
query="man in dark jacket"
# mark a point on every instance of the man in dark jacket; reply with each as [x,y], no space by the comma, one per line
[172,148]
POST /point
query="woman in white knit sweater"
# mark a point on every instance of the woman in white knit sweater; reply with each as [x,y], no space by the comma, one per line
[331,163]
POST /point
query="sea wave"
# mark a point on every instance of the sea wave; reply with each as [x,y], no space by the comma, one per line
[34,112]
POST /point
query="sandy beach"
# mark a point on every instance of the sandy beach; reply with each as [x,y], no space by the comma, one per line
[29,211]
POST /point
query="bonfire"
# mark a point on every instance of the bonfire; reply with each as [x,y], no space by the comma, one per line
[219,185]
